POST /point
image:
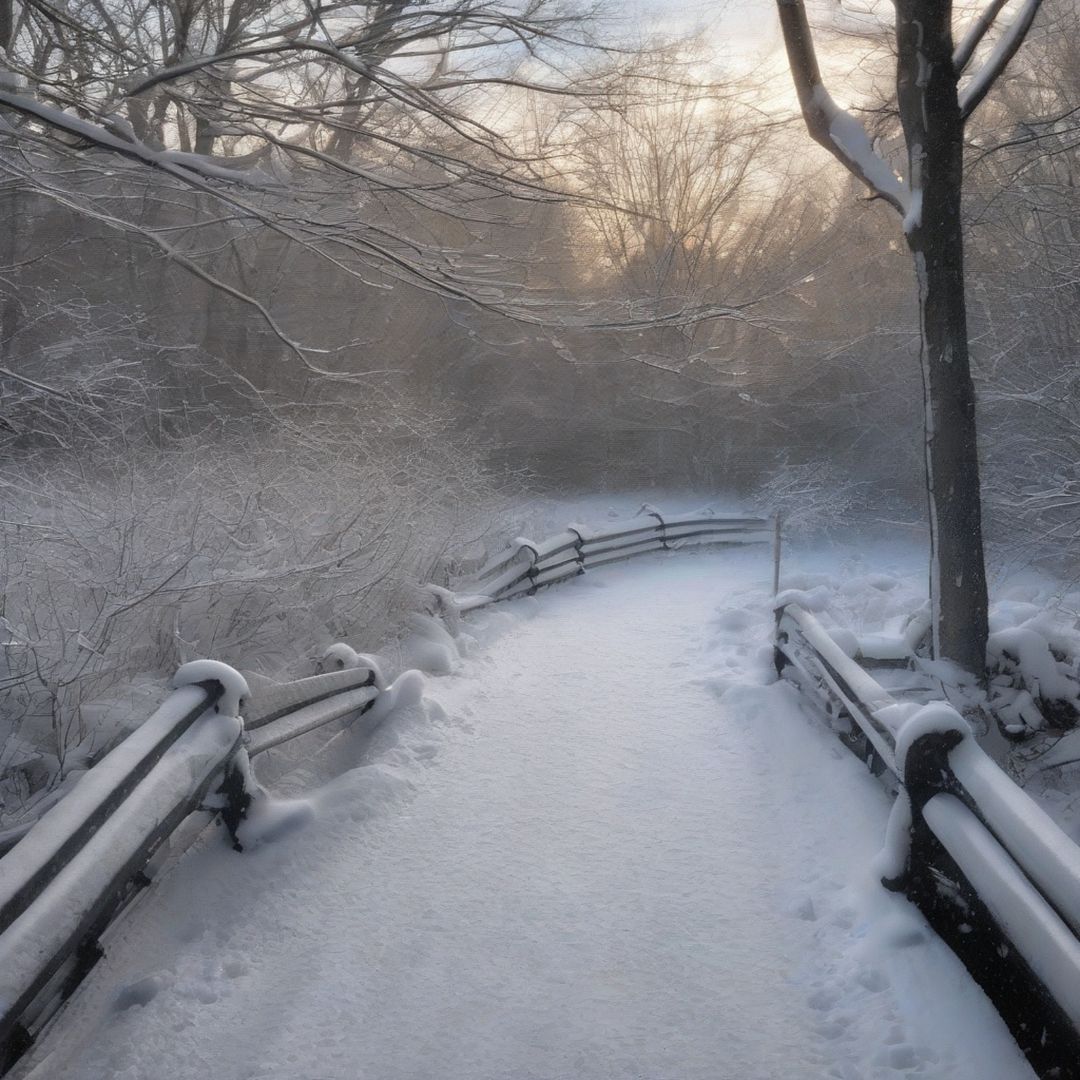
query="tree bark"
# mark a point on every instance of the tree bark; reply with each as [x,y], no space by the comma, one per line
[933,116]
[204,136]
[934,129]
[7,25]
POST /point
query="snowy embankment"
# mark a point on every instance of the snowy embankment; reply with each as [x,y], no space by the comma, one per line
[606,846]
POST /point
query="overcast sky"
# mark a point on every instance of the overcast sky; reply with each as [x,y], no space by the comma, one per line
[744,26]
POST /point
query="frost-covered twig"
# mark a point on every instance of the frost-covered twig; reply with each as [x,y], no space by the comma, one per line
[1004,50]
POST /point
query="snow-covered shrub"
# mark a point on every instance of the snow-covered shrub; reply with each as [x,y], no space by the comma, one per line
[252,542]
[811,497]
[1034,676]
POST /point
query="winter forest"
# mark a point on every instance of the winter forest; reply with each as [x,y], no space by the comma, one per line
[308,305]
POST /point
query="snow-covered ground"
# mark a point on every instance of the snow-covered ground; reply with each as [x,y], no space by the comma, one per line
[605,847]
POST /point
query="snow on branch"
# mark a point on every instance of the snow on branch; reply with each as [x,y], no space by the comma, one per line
[1005,49]
[834,128]
[122,140]
[200,173]
[198,63]
[976,32]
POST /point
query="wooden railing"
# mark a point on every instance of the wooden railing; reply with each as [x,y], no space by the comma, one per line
[996,878]
[78,866]
[528,565]
[65,876]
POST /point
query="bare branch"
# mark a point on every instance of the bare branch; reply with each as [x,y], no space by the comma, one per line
[976,32]
[1005,49]
[836,130]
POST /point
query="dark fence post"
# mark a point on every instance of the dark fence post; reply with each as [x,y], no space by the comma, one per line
[663,529]
[780,660]
[579,548]
[237,791]
[777,536]
[532,573]
[939,888]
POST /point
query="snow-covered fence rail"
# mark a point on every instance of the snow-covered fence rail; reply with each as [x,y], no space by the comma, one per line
[65,876]
[996,878]
[528,565]
[287,710]
[79,865]
[863,713]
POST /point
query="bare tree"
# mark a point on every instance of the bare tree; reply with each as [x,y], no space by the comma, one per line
[327,124]
[934,101]
[1024,286]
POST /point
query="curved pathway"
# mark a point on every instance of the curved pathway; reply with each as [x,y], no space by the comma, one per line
[606,849]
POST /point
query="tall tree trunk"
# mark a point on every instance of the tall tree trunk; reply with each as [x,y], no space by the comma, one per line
[12,210]
[7,25]
[204,136]
[933,126]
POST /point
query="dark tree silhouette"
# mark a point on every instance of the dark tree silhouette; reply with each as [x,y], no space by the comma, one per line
[935,97]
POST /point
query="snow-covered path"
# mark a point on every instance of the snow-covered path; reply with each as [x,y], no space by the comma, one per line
[609,851]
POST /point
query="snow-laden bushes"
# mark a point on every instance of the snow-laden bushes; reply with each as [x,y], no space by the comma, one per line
[1034,659]
[811,497]
[254,543]
[1033,654]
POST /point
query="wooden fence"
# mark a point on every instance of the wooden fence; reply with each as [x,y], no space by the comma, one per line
[528,565]
[67,875]
[995,877]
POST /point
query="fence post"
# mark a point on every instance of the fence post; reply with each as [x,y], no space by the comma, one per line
[531,573]
[445,607]
[777,522]
[237,791]
[936,884]
[579,548]
[663,529]
[780,660]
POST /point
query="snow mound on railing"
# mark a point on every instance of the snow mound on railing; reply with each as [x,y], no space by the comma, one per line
[342,657]
[236,693]
[936,718]
[405,692]
[891,861]
[846,639]
[815,599]
[586,532]
[430,647]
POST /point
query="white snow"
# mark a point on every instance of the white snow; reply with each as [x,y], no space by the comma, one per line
[937,718]
[342,657]
[60,908]
[891,861]
[429,646]
[607,847]
[847,640]
[883,647]
[522,544]
[1038,932]
[236,693]
[404,693]
[994,64]
[44,842]
[814,599]
[848,133]
[913,217]
[270,819]
[1047,854]
[1041,673]
[308,718]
